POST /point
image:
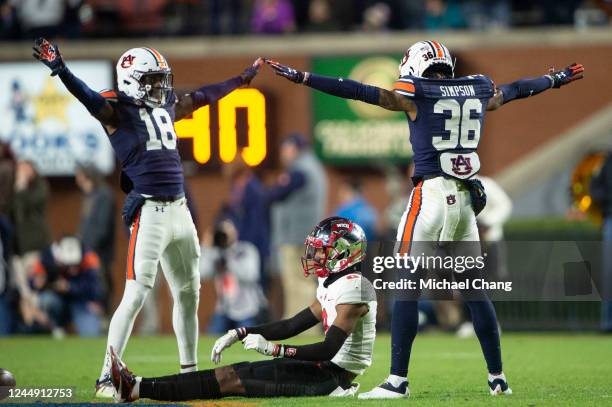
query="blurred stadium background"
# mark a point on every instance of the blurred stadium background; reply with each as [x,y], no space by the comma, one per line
[543,152]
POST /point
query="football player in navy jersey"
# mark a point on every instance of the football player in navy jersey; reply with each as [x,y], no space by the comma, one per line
[139,118]
[445,115]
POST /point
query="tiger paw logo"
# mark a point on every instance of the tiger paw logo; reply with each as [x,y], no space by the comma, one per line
[127,61]
[450,199]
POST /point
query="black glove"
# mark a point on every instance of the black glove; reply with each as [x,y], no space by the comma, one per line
[569,74]
[49,55]
[248,74]
[477,194]
[292,74]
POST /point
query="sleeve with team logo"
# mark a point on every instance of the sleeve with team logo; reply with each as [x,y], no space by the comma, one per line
[354,289]
[406,86]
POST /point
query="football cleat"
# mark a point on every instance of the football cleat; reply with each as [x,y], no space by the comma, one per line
[386,391]
[122,379]
[498,385]
[105,388]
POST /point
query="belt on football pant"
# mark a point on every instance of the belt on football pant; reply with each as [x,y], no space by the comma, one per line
[166,198]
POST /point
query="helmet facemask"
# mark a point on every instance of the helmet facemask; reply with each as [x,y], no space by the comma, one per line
[156,87]
[313,261]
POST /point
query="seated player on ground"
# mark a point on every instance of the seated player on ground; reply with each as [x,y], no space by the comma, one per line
[345,303]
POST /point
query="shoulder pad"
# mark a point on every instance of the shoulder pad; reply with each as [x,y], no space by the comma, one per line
[109,95]
[405,86]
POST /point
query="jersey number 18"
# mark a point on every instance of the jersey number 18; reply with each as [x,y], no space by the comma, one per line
[166,135]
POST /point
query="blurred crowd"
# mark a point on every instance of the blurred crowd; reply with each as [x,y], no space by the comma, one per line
[26,19]
[46,285]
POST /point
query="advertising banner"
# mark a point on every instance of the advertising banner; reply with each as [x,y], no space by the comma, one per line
[44,123]
[349,132]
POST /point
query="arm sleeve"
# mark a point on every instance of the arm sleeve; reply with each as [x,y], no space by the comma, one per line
[524,88]
[344,88]
[284,329]
[320,351]
[91,99]
[211,93]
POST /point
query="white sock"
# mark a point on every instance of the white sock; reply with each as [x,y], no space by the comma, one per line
[123,319]
[395,380]
[136,390]
[497,376]
[192,368]
[185,324]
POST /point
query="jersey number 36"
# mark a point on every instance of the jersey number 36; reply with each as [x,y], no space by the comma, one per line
[464,131]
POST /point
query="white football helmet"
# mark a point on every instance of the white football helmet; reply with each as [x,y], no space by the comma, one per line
[144,74]
[423,55]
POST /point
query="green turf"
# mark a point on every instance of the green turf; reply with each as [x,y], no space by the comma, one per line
[543,370]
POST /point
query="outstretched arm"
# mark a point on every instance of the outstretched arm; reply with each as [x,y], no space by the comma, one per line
[208,94]
[95,103]
[524,88]
[278,330]
[346,319]
[287,328]
[346,88]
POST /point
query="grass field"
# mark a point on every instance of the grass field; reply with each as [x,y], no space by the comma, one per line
[543,369]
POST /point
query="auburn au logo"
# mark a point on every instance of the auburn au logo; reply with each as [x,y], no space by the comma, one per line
[127,61]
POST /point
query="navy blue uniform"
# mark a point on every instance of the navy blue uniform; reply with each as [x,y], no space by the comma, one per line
[446,133]
[145,143]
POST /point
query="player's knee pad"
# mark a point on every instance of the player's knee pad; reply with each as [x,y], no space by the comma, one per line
[134,296]
[188,299]
[145,272]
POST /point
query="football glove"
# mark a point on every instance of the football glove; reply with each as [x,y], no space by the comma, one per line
[49,55]
[286,71]
[261,345]
[248,74]
[223,343]
[569,74]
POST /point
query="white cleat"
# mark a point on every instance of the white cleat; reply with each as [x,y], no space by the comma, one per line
[386,391]
[105,388]
[498,385]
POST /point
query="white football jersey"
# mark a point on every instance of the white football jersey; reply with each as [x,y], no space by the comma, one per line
[356,352]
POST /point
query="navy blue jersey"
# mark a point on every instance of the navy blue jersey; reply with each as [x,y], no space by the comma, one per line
[446,132]
[145,144]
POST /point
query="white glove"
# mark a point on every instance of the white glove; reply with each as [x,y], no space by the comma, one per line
[222,343]
[261,345]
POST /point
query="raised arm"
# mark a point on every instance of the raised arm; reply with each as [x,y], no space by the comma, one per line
[208,94]
[346,88]
[95,103]
[524,88]
[346,319]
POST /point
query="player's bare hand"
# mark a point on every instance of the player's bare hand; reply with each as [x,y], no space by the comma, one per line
[248,74]
[260,344]
[49,55]
[568,75]
[286,71]
[223,343]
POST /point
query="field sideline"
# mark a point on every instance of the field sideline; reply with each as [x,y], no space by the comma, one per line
[543,369]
